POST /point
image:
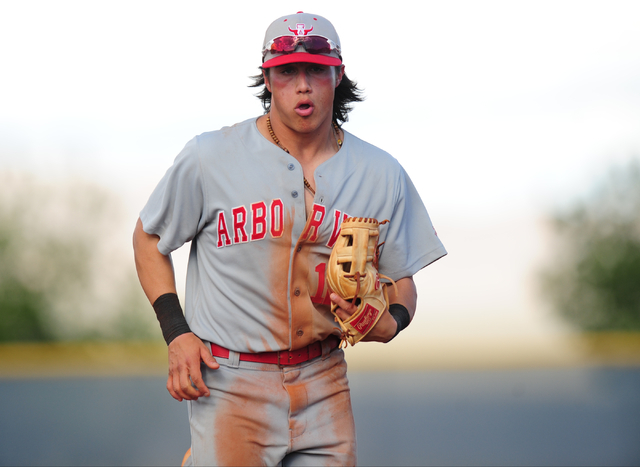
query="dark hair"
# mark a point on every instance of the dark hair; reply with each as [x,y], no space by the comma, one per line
[346,93]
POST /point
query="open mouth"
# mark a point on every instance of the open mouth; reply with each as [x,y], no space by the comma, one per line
[304,109]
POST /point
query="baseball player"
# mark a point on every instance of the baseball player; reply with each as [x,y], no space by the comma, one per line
[257,352]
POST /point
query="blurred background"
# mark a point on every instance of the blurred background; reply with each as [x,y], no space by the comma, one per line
[519,123]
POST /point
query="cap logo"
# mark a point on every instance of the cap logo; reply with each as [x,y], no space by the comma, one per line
[300,30]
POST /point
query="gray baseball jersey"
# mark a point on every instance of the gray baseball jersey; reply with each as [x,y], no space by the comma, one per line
[256,273]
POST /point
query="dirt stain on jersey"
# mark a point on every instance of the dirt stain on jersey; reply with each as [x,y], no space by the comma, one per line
[303,332]
[280,258]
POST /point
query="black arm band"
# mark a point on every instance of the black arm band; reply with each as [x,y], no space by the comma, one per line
[401,315]
[170,316]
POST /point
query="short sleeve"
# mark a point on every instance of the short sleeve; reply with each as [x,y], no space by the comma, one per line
[411,242]
[175,209]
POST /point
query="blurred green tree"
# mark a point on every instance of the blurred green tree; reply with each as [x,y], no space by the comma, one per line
[594,281]
[21,305]
[65,264]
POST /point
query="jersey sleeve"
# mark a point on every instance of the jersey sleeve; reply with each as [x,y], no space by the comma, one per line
[175,209]
[411,242]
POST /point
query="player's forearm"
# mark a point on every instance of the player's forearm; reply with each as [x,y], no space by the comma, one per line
[406,295]
[155,270]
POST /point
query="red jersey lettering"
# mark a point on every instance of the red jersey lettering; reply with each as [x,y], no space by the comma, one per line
[338,218]
[239,224]
[312,229]
[223,233]
[277,218]
[258,221]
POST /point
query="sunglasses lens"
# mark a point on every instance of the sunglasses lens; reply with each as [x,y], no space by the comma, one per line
[283,45]
[312,44]
[317,45]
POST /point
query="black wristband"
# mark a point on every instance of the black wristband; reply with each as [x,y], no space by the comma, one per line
[169,314]
[401,315]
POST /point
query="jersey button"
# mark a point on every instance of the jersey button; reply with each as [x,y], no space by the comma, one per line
[299,332]
[291,167]
[294,193]
[296,292]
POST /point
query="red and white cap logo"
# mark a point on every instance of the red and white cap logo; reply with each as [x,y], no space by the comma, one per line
[300,30]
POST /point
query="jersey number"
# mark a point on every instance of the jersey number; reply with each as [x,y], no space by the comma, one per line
[319,297]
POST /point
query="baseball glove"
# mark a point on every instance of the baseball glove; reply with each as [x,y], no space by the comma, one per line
[353,274]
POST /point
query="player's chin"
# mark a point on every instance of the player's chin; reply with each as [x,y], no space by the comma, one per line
[310,123]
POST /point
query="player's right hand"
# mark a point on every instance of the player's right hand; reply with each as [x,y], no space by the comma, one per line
[185,378]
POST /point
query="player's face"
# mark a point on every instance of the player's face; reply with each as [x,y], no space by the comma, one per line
[302,94]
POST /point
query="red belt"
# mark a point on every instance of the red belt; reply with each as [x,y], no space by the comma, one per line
[283,357]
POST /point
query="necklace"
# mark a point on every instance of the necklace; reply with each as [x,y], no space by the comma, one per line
[307,185]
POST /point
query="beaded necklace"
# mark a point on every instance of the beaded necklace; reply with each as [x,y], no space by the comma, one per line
[277,141]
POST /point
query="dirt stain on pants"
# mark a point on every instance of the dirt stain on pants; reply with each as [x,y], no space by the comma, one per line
[263,414]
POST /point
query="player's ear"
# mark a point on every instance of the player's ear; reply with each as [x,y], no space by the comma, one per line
[265,75]
[339,75]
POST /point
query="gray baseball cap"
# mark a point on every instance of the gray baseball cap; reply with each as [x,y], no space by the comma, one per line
[303,37]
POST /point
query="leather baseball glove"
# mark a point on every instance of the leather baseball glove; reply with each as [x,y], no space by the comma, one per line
[353,274]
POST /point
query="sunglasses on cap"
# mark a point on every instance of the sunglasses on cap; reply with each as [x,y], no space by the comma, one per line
[289,44]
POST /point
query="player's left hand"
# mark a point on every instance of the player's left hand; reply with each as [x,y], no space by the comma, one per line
[383,331]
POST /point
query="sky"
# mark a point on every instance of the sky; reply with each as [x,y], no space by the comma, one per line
[502,112]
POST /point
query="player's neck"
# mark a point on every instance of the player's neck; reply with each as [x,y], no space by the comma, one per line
[305,144]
